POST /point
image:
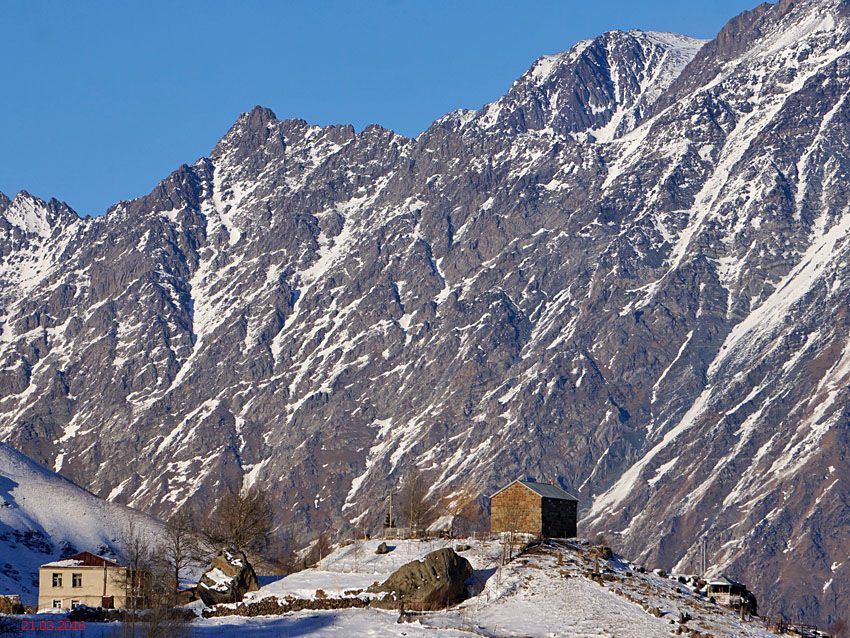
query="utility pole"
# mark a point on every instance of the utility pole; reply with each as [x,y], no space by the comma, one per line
[389,521]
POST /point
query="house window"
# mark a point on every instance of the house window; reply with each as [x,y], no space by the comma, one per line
[76,580]
[75,604]
[57,580]
[57,604]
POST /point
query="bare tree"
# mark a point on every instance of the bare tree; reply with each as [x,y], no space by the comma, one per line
[149,591]
[138,556]
[242,521]
[414,502]
[323,545]
[839,629]
[180,547]
[356,549]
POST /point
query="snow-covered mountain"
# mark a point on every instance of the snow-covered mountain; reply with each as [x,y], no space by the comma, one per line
[44,516]
[628,274]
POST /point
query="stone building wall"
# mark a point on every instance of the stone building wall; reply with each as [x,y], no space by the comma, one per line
[517,509]
[560,518]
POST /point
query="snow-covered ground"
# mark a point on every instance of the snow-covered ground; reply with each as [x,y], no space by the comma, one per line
[351,623]
[44,517]
[545,593]
[357,566]
[339,624]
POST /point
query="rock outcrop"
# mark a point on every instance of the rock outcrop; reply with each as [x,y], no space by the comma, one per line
[435,582]
[228,579]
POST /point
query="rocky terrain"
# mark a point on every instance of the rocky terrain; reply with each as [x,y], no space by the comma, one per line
[628,274]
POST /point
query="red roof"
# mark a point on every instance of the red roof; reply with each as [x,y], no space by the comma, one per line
[83,559]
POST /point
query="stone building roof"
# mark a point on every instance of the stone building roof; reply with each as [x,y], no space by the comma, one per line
[724,580]
[546,490]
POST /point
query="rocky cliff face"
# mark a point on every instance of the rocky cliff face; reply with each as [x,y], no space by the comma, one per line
[628,274]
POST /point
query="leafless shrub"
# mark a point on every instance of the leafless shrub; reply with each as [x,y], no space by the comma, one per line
[466,512]
[323,545]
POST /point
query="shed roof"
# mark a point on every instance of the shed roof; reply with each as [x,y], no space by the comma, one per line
[83,559]
[724,580]
[546,490]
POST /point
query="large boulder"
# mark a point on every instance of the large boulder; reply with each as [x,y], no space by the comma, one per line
[435,582]
[227,580]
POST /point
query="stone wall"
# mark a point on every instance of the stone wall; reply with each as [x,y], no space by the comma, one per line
[516,509]
[274,606]
[559,518]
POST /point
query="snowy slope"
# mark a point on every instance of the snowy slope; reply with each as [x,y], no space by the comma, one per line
[545,592]
[44,517]
[358,566]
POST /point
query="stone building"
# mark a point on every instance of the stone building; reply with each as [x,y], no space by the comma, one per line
[540,509]
[82,579]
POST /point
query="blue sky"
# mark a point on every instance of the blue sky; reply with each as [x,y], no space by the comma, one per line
[101,100]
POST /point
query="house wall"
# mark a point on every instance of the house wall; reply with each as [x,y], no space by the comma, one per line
[516,509]
[89,593]
[560,518]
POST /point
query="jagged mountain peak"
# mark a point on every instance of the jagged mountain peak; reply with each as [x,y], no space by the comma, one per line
[253,131]
[768,30]
[33,216]
[602,86]
[258,117]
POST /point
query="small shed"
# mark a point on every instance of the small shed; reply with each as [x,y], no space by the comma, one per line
[529,507]
[731,593]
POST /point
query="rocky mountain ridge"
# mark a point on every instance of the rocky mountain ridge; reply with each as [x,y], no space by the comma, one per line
[627,274]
